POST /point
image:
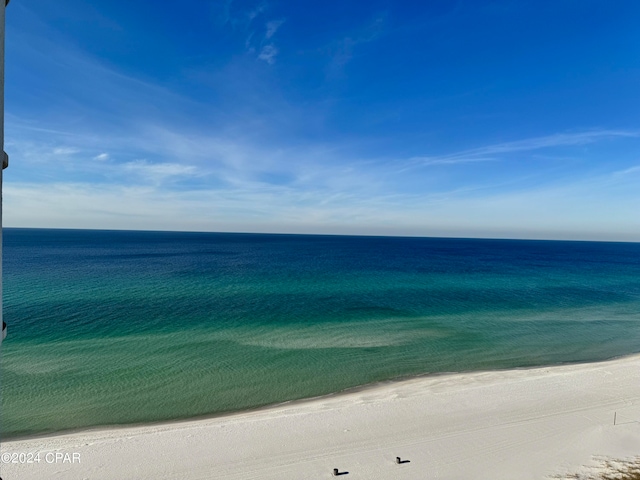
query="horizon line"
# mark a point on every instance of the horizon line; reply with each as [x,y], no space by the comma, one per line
[417,236]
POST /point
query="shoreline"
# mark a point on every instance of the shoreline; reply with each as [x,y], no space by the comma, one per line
[530,422]
[299,401]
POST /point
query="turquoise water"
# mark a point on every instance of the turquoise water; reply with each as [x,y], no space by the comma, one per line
[128,327]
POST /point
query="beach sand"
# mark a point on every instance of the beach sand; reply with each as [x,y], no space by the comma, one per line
[515,424]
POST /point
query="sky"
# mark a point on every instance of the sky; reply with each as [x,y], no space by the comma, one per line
[456,118]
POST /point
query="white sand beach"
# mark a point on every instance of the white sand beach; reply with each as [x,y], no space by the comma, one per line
[517,424]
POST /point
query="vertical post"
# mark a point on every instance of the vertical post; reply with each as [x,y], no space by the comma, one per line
[4,158]
[3,155]
[2,162]
[614,417]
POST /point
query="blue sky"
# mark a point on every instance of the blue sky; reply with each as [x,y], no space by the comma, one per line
[505,118]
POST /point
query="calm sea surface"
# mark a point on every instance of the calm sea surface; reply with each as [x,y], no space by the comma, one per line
[123,327]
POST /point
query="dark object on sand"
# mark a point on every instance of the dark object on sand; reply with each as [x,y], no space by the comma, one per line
[399,461]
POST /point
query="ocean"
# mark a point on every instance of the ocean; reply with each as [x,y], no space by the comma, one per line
[123,327]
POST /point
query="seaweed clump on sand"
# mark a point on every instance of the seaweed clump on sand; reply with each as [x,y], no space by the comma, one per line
[608,469]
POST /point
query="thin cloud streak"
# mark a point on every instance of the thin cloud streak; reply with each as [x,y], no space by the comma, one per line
[158,172]
[489,153]
[65,151]
[627,171]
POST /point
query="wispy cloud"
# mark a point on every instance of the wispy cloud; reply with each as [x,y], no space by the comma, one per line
[258,32]
[272,28]
[258,10]
[268,54]
[342,51]
[237,14]
[496,151]
[268,51]
[101,157]
[65,150]
[446,160]
[158,172]
[628,171]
